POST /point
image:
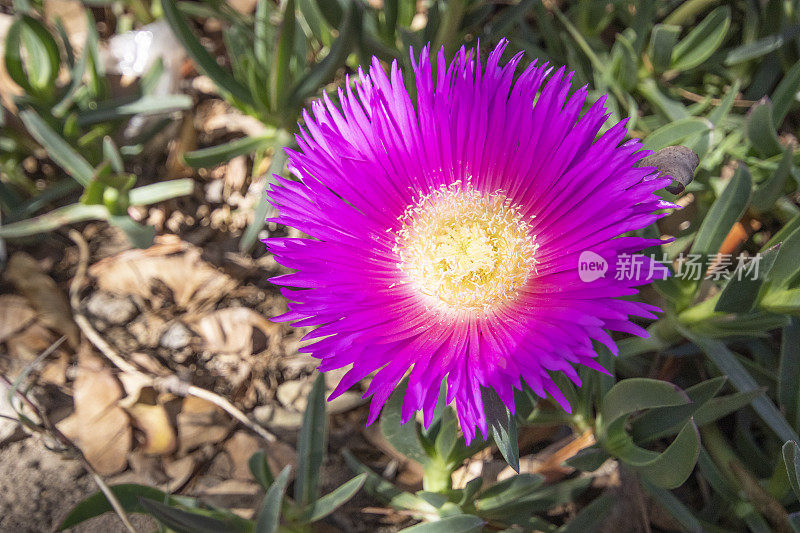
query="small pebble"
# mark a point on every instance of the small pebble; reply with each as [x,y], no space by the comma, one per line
[176,337]
[116,310]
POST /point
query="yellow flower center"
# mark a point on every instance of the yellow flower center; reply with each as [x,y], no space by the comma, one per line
[465,250]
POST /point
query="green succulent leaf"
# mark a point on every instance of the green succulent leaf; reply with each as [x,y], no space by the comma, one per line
[404,437]
[52,220]
[221,153]
[333,500]
[204,60]
[127,494]
[675,132]
[760,128]
[451,524]
[791,457]
[57,148]
[789,372]
[194,521]
[727,362]
[740,294]
[384,490]
[259,467]
[507,492]
[502,425]
[36,69]
[269,514]
[703,40]
[662,42]
[724,213]
[311,444]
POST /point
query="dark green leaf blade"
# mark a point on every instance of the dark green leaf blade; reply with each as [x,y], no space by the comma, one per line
[57,148]
[311,444]
[727,209]
[451,524]
[334,499]
[270,512]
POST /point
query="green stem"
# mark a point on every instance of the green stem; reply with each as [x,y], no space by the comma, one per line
[437,477]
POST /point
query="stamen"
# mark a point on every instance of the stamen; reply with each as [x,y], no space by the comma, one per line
[465,250]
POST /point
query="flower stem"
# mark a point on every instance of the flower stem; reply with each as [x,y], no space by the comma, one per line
[437,477]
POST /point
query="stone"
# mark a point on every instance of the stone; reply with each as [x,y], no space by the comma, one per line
[176,337]
[116,310]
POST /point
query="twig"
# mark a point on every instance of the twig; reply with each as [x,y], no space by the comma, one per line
[171,384]
[694,97]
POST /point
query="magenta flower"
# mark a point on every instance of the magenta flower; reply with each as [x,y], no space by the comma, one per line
[445,233]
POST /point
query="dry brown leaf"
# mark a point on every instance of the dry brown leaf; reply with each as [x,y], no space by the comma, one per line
[28,344]
[230,331]
[99,427]
[172,263]
[43,294]
[153,421]
[15,314]
[240,447]
[200,422]
[179,471]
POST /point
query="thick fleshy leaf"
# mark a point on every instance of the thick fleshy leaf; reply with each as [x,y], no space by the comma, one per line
[384,490]
[760,129]
[327,504]
[663,421]
[789,372]
[791,457]
[503,427]
[281,75]
[311,444]
[36,68]
[269,514]
[591,517]
[184,521]
[676,132]
[202,58]
[221,153]
[672,467]
[786,269]
[127,494]
[146,105]
[404,437]
[159,192]
[54,219]
[324,71]
[635,394]
[741,293]
[588,459]
[662,42]
[758,48]
[727,209]
[727,362]
[452,524]
[260,469]
[57,148]
[675,508]
[508,491]
[765,196]
[703,40]
[139,235]
[783,97]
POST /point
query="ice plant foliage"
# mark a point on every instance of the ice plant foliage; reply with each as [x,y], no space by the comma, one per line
[445,232]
